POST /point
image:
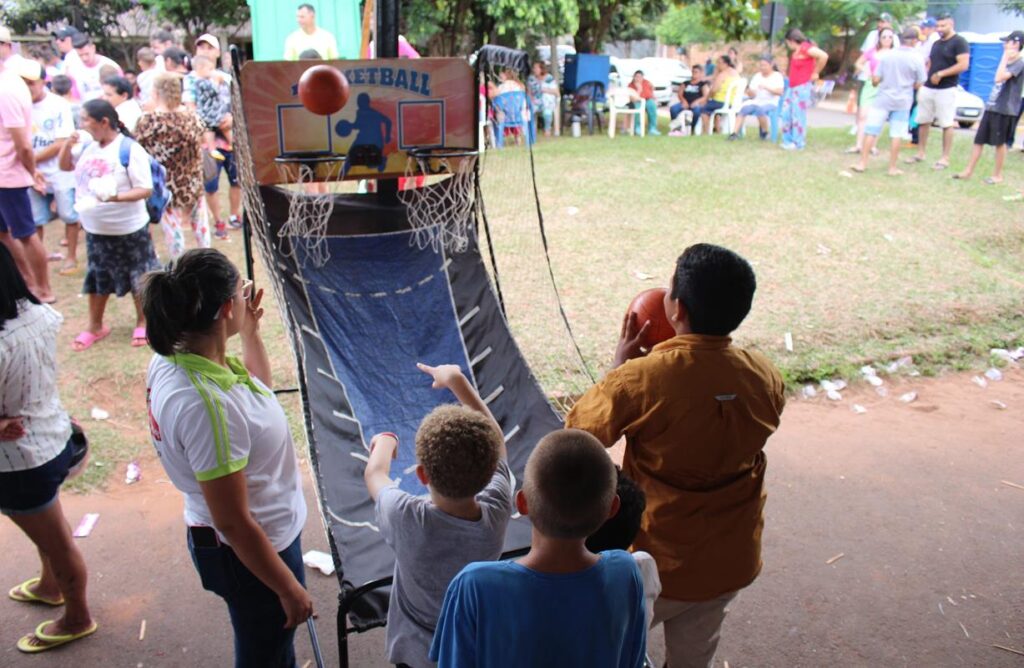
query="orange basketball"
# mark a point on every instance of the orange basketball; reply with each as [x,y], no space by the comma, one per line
[650,305]
[323,90]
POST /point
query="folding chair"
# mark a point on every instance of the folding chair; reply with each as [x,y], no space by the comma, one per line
[513,110]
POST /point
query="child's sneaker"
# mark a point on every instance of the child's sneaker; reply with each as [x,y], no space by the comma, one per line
[220,231]
[216,155]
[235,223]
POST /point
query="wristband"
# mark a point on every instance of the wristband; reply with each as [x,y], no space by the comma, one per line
[388,433]
[373,444]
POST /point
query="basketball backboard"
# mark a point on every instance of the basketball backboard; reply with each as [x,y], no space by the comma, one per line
[394,104]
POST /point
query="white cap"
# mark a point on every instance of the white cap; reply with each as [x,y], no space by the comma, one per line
[209,39]
[5,34]
[24,67]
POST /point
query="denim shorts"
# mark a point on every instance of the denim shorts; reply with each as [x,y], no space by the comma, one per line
[16,212]
[65,200]
[228,165]
[34,490]
[256,613]
[759,109]
[899,122]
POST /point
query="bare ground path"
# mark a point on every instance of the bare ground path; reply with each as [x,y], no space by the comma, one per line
[912,496]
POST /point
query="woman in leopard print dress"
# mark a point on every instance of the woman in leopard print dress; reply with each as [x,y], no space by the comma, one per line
[173,135]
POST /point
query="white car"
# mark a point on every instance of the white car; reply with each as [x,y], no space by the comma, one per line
[670,69]
[969,108]
[662,78]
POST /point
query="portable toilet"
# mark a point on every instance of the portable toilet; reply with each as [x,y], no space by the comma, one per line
[986,52]
[581,68]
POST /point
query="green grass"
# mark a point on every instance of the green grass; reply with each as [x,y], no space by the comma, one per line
[858,269]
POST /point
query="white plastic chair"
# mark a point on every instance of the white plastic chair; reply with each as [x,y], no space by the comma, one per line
[618,105]
[682,122]
[733,103]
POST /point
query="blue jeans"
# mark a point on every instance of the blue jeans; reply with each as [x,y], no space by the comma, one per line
[65,200]
[261,641]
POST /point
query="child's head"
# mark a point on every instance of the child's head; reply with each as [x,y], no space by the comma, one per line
[715,287]
[619,532]
[569,486]
[203,66]
[457,449]
[61,85]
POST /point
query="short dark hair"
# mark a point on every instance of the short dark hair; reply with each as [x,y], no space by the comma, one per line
[310,54]
[186,297]
[727,60]
[163,35]
[640,72]
[308,7]
[716,286]
[944,16]
[177,56]
[61,84]
[13,288]
[99,109]
[619,532]
[696,67]
[120,85]
[796,35]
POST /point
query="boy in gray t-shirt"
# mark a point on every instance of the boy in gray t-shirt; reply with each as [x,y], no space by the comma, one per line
[1001,110]
[463,462]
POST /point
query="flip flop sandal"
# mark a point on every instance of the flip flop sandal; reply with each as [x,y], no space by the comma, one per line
[991,182]
[69,270]
[22,594]
[959,177]
[87,339]
[55,257]
[139,337]
[913,160]
[855,168]
[939,166]
[36,642]
[853,150]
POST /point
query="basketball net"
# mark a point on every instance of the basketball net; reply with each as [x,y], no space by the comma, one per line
[310,205]
[440,215]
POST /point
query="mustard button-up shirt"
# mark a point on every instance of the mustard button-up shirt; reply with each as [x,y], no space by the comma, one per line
[696,413]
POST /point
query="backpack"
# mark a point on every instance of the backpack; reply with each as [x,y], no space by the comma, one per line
[160,198]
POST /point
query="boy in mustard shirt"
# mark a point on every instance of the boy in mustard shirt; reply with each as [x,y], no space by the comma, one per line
[696,412]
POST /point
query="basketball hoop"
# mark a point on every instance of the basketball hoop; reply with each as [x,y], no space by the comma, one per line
[454,198]
[310,207]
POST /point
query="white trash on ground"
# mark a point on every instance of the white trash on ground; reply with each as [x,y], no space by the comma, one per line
[320,561]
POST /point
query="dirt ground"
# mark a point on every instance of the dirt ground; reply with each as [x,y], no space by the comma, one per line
[915,497]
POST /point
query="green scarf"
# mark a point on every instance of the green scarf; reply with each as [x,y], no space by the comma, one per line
[225,379]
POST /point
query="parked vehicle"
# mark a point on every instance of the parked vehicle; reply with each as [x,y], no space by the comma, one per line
[969,107]
[665,74]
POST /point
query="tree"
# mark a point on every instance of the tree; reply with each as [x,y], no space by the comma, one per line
[101,20]
[685,25]
[1013,6]
[200,16]
[730,19]
[601,19]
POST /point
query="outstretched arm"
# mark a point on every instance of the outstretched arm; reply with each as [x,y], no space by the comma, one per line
[450,376]
[383,448]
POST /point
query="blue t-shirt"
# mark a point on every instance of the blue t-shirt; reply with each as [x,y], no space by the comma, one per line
[503,614]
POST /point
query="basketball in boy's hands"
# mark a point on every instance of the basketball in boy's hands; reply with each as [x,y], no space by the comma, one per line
[323,89]
[649,305]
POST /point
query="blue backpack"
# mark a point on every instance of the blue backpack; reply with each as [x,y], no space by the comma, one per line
[158,200]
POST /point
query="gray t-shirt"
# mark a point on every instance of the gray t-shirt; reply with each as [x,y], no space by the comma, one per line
[1005,96]
[431,547]
[899,70]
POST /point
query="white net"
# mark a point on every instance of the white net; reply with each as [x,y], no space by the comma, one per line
[311,206]
[441,217]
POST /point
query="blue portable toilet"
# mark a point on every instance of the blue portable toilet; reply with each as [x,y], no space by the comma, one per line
[986,51]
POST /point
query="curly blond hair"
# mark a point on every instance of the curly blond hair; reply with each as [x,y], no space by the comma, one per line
[458,449]
[167,87]
[569,484]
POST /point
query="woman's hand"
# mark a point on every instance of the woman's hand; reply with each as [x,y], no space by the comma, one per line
[298,606]
[253,313]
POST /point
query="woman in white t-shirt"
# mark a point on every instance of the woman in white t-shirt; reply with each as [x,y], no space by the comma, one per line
[223,439]
[35,458]
[111,201]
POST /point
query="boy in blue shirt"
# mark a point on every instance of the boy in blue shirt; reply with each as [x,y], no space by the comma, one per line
[461,458]
[560,605]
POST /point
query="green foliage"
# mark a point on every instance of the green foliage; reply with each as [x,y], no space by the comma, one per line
[537,18]
[1014,6]
[99,19]
[827,21]
[732,19]
[685,25]
[199,16]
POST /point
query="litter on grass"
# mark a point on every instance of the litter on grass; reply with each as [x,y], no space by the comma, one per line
[909,397]
[964,629]
[641,276]
[133,473]
[859,410]
[1011,484]
[809,392]
[572,210]
[979,381]
[85,527]
[98,413]
[835,559]
[789,341]
[1008,649]
[994,374]
[834,396]
[142,630]
[320,561]
[999,405]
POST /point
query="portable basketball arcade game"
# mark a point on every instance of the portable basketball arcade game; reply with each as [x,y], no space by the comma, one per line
[370,284]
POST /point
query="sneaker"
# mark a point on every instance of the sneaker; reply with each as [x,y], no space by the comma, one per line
[763,135]
[235,223]
[733,137]
[654,132]
[789,147]
[220,231]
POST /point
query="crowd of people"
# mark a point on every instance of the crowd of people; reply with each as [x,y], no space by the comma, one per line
[79,136]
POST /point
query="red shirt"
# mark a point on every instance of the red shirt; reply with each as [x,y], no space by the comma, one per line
[646,90]
[801,65]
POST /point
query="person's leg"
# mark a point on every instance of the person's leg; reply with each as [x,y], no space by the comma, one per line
[947,145]
[800,115]
[697,112]
[872,129]
[71,235]
[51,534]
[674,110]
[235,197]
[97,307]
[997,172]
[899,123]
[922,139]
[140,317]
[945,113]
[18,213]
[40,206]
[65,200]
[692,630]
[786,118]
[972,162]
[652,117]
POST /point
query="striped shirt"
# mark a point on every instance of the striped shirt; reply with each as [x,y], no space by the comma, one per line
[28,387]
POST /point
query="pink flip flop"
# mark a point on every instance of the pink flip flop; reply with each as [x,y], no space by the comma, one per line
[86,339]
[139,337]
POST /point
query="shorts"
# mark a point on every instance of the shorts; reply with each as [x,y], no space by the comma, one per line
[759,109]
[228,165]
[65,200]
[713,106]
[936,105]
[994,129]
[899,122]
[16,213]
[34,490]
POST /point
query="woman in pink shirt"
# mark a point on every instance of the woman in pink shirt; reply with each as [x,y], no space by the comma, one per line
[805,64]
[868,63]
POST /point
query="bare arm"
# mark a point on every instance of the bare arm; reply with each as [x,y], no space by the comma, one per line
[23,148]
[383,448]
[450,376]
[51,151]
[820,58]
[254,354]
[131,195]
[228,500]
[64,159]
